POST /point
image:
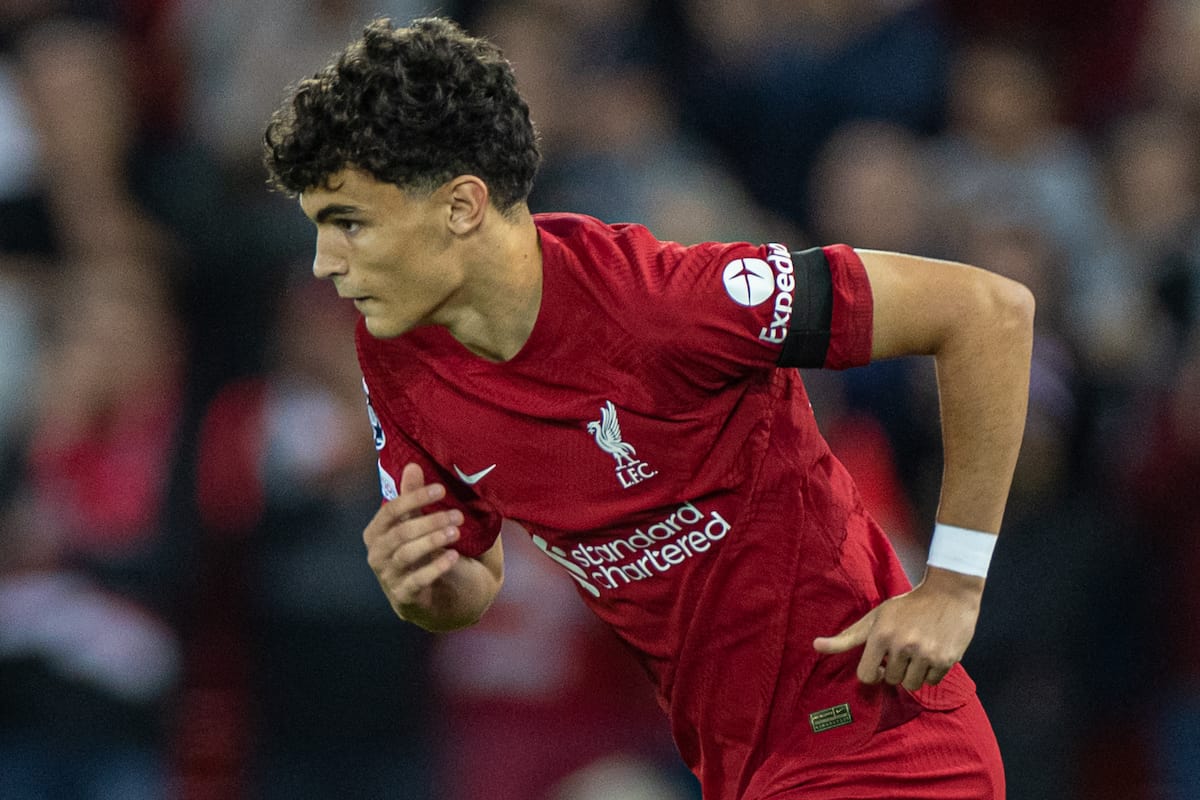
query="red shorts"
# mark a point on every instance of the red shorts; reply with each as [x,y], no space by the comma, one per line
[937,755]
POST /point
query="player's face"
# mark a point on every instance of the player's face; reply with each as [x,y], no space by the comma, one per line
[383,248]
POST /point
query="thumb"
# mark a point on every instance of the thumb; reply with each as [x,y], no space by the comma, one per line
[412,478]
[852,637]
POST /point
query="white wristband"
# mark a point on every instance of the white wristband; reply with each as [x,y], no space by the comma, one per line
[961,549]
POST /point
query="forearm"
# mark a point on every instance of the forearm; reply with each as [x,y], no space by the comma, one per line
[978,327]
[983,388]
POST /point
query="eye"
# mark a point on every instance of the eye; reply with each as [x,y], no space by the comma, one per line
[348,226]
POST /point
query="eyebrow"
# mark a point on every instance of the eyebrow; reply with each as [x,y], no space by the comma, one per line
[332,210]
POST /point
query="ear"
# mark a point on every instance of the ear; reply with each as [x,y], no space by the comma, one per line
[468,203]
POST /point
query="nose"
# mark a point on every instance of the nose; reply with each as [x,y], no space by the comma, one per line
[328,260]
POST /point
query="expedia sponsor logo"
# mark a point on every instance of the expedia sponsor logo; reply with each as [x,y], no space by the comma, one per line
[785,287]
[748,281]
[647,553]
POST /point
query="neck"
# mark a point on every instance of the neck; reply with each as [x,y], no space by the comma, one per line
[494,311]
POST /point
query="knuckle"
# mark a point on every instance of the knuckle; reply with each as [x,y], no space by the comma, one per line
[943,659]
[882,639]
[911,645]
[404,591]
[402,506]
[375,559]
[414,552]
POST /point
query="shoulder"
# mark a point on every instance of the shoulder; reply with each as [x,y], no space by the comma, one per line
[582,234]
[620,255]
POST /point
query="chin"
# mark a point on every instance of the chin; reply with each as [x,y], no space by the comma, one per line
[381,329]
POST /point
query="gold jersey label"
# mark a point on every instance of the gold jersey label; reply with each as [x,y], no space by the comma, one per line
[830,718]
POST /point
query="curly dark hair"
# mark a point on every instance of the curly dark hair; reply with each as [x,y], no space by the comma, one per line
[412,106]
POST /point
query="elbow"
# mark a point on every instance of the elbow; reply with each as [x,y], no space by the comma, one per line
[1020,300]
[469,614]
[1014,307]
[455,606]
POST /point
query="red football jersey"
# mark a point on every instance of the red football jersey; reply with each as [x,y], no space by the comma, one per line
[647,440]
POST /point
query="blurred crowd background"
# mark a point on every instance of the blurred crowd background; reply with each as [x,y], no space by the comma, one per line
[186,463]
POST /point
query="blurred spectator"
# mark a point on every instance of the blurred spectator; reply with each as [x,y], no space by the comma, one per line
[241,57]
[1092,47]
[330,694]
[1158,473]
[79,101]
[1168,75]
[66,137]
[768,81]
[1152,163]
[91,558]
[19,329]
[615,148]
[24,229]
[870,187]
[1006,155]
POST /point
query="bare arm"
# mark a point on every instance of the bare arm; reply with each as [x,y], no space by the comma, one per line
[427,583]
[978,326]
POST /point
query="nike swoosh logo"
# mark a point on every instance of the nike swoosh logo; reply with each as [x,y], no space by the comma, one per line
[475,477]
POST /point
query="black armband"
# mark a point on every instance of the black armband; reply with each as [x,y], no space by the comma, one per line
[807,340]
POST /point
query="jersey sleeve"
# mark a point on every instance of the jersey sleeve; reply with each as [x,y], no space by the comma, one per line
[481,523]
[847,340]
[744,307]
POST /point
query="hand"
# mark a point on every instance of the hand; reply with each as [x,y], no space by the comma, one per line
[915,638]
[407,548]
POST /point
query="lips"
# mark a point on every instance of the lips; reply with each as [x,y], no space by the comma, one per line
[345,295]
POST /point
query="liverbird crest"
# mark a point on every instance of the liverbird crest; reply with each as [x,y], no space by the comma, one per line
[607,432]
